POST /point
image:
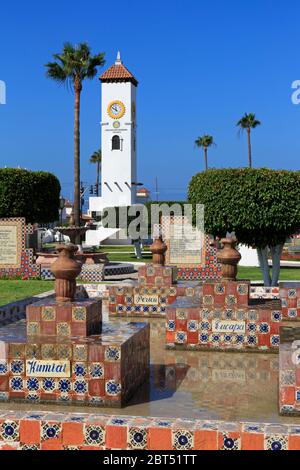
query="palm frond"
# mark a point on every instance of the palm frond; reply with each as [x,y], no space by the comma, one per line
[96,157]
[205,141]
[248,121]
[74,63]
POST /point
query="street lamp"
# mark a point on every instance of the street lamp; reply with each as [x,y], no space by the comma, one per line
[62,202]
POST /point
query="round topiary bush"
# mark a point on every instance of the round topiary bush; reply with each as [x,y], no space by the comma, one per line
[262,206]
[30,194]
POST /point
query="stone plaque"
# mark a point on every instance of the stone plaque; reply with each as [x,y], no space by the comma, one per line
[48,368]
[228,326]
[186,244]
[141,299]
[10,243]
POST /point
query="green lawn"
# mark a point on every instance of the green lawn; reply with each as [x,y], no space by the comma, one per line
[11,291]
[120,248]
[254,274]
[244,272]
[129,257]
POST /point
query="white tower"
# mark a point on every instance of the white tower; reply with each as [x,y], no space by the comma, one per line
[118,136]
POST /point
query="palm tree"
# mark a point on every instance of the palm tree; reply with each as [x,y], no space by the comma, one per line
[248,122]
[205,141]
[97,158]
[72,66]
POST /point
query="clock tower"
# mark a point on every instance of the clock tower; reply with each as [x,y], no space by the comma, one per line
[118,136]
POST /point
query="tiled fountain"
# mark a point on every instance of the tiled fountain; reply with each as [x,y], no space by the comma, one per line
[209,399]
[65,354]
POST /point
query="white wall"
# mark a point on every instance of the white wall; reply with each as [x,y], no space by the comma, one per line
[95,204]
[249,256]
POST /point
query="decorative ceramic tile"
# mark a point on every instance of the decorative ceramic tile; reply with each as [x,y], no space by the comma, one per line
[80,386]
[50,430]
[17,367]
[64,385]
[96,370]
[79,369]
[3,368]
[79,314]
[94,435]
[112,388]
[9,430]
[48,351]
[182,439]
[63,329]
[48,314]
[16,384]
[276,442]
[112,354]
[33,328]
[219,288]
[137,438]
[32,384]
[48,385]
[80,352]
[64,351]
[230,443]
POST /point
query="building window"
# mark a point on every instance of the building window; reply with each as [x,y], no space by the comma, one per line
[116,143]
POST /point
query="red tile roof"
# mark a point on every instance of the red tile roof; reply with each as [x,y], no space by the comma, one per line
[118,73]
[143,190]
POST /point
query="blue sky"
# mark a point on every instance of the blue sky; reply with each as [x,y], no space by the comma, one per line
[200,64]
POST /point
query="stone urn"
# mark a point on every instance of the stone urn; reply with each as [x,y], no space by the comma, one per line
[158,250]
[229,257]
[65,270]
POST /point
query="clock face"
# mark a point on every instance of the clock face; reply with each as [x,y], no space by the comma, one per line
[116,109]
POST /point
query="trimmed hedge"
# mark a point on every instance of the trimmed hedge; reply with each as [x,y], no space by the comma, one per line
[30,194]
[261,205]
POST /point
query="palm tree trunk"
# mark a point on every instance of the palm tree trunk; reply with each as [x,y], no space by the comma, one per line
[249,148]
[77,88]
[205,158]
[98,177]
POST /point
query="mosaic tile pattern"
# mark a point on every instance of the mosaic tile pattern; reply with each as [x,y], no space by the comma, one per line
[289,371]
[44,431]
[89,273]
[290,300]
[106,369]
[27,268]
[193,324]
[259,292]
[79,318]
[116,269]
[152,293]
[233,294]
[158,276]
[92,272]
[211,270]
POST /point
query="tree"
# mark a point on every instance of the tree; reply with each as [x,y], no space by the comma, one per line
[261,206]
[72,66]
[205,141]
[30,194]
[248,122]
[97,158]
